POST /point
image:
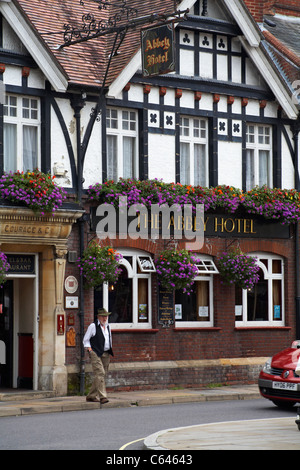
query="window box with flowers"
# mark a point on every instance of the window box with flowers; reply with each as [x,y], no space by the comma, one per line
[238,269]
[275,204]
[176,270]
[98,265]
[34,189]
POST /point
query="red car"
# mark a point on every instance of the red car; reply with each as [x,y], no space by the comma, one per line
[279,380]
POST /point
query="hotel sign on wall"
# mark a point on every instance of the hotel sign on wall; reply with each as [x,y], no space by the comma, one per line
[214,225]
[158,51]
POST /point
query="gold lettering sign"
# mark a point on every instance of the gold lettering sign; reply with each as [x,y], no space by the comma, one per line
[158,56]
[214,225]
[230,225]
[21,264]
[26,229]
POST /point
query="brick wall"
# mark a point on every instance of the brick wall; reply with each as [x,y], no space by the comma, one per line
[170,374]
[224,340]
[270,7]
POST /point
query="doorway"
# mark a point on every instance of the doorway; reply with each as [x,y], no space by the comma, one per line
[6,335]
[19,333]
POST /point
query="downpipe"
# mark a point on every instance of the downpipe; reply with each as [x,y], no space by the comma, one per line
[77,103]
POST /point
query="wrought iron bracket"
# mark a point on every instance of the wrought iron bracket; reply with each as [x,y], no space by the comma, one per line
[125,18]
[92,29]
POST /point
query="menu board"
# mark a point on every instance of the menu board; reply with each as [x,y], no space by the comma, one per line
[165,307]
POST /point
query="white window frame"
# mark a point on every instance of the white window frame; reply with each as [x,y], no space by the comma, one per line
[258,140]
[135,276]
[190,137]
[118,128]
[21,121]
[206,266]
[269,277]
[206,270]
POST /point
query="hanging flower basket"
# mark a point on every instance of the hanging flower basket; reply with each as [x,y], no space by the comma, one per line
[99,264]
[33,189]
[4,267]
[238,268]
[176,270]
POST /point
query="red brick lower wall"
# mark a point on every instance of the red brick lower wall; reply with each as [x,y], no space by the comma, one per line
[224,340]
[184,374]
[182,378]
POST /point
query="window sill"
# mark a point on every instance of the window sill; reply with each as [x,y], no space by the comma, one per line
[267,327]
[136,330]
[197,328]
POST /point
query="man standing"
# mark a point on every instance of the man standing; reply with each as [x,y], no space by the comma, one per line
[97,340]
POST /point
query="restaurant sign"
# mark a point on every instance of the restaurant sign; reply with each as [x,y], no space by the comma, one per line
[158,51]
[21,264]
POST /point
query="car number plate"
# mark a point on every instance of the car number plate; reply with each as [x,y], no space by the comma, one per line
[285,386]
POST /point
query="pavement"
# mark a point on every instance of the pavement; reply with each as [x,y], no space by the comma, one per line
[265,434]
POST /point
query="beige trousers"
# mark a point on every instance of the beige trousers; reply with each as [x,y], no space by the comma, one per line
[100,369]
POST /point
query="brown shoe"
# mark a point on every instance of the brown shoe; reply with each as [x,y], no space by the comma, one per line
[103,400]
[92,399]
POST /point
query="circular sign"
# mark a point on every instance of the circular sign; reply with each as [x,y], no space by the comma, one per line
[71,284]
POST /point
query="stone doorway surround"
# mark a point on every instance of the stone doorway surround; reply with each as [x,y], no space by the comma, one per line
[23,231]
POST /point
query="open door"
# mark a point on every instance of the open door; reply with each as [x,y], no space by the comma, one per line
[6,335]
[19,331]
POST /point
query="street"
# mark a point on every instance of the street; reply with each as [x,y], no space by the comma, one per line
[123,428]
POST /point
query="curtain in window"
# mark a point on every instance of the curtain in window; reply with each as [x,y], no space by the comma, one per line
[202,293]
[184,163]
[10,147]
[250,176]
[263,167]
[128,157]
[199,165]
[112,163]
[143,302]
[30,161]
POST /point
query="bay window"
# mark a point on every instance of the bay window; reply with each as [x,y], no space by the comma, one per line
[196,309]
[129,299]
[264,304]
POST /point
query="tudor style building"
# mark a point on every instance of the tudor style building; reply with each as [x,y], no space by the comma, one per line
[225,112]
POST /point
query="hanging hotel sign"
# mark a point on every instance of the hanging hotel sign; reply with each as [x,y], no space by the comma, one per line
[158,51]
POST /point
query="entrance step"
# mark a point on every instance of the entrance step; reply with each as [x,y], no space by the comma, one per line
[20,395]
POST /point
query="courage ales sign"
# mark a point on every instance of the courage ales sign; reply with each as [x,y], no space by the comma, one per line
[158,51]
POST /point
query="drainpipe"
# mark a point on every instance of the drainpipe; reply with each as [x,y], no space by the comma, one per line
[77,103]
[296,129]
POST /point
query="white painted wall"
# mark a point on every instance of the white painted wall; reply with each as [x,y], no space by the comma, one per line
[230,163]
[288,179]
[162,157]
[59,151]
[92,170]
